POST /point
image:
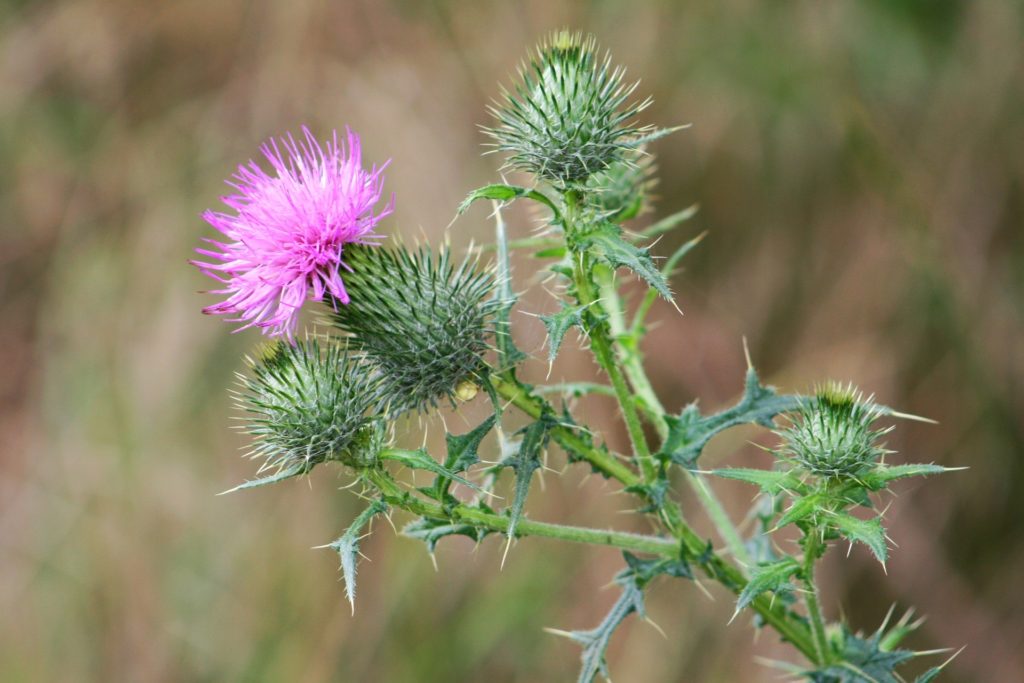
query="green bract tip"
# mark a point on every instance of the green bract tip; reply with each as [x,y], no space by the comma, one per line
[422,321]
[568,117]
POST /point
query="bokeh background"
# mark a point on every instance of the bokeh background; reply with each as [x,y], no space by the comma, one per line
[860,170]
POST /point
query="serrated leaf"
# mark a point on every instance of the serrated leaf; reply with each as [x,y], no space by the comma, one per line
[347,548]
[282,474]
[801,509]
[558,324]
[869,532]
[505,193]
[773,577]
[769,481]
[430,531]
[525,462]
[607,243]
[879,477]
[419,459]
[595,641]
[642,571]
[462,448]
[462,453]
[690,431]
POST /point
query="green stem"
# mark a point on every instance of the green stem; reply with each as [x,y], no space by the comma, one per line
[812,547]
[601,344]
[629,356]
[396,496]
[695,548]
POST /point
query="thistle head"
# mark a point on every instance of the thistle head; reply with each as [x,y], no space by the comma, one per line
[569,115]
[308,403]
[833,434]
[421,320]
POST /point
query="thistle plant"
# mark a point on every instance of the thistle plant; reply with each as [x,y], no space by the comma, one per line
[416,329]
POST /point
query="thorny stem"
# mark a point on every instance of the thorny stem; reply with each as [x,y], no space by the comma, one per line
[394,495]
[601,344]
[695,549]
[628,353]
[812,546]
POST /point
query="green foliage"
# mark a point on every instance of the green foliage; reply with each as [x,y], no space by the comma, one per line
[506,193]
[569,115]
[307,403]
[771,577]
[690,431]
[422,321]
[558,324]
[872,659]
[524,463]
[347,547]
[869,532]
[606,242]
[632,581]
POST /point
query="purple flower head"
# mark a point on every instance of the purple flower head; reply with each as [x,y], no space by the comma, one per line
[287,231]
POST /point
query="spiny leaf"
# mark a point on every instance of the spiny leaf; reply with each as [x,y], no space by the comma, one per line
[772,577]
[430,531]
[419,459]
[607,243]
[462,448]
[558,324]
[801,509]
[504,193]
[770,481]
[462,453]
[869,532]
[348,547]
[282,474]
[525,462]
[879,477]
[690,431]
[643,571]
[595,641]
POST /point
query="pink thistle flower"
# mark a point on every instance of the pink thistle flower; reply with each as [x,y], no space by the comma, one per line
[288,230]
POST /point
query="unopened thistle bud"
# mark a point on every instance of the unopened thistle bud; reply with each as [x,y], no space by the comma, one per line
[309,403]
[422,321]
[569,116]
[833,436]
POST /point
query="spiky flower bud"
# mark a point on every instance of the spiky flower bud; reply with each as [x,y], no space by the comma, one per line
[622,190]
[569,116]
[309,403]
[833,434]
[423,321]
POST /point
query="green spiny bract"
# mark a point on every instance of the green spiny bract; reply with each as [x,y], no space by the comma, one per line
[832,435]
[422,321]
[569,115]
[622,190]
[309,403]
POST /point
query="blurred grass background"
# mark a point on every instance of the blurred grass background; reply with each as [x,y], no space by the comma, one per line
[860,168]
